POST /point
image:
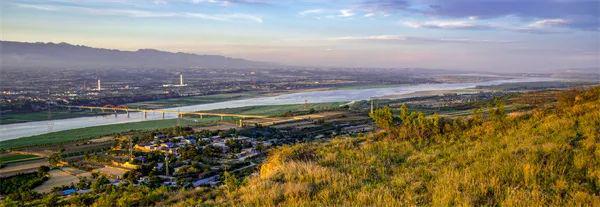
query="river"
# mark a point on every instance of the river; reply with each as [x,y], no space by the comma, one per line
[13,131]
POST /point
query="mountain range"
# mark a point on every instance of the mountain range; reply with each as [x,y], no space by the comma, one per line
[64,55]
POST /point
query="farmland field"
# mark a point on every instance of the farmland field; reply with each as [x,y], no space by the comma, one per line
[58,178]
[22,167]
[15,157]
[42,116]
[92,132]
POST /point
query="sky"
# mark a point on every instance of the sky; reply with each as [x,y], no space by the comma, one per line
[478,35]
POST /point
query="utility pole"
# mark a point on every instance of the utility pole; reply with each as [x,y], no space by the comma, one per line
[305,104]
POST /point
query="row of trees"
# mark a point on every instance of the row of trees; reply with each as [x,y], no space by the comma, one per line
[416,126]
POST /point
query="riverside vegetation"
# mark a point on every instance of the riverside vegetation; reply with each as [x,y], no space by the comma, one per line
[548,155]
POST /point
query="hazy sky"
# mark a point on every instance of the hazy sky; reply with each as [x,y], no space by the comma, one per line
[494,35]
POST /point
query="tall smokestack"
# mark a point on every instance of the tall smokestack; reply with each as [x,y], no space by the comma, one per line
[181,79]
[99,86]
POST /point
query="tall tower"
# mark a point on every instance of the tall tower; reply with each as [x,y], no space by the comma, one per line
[181,79]
[99,86]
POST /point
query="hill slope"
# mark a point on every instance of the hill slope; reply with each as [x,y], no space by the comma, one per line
[63,55]
[549,157]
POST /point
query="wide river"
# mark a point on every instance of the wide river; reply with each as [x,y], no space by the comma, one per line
[13,131]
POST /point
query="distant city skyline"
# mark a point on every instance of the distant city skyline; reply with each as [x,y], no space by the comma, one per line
[498,36]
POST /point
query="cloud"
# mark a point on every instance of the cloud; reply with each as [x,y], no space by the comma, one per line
[578,14]
[232,2]
[144,13]
[159,2]
[346,13]
[384,5]
[548,23]
[408,39]
[38,7]
[523,8]
[446,24]
[311,11]
[540,26]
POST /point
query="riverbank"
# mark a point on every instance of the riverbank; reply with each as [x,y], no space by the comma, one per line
[104,130]
[58,114]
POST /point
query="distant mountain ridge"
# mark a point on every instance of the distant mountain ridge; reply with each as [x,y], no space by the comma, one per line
[64,55]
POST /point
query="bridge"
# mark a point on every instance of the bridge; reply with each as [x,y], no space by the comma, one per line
[258,119]
[145,112]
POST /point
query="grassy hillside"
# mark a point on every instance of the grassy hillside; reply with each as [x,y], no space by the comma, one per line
[550,156]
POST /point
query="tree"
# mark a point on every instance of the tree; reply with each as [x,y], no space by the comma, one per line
[230,181]
[55,158]
[51,199]
[383,118]
[100,183]
[498,113]
[234,145]
[42,170]
[404,114]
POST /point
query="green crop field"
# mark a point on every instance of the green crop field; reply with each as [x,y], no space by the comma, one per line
[42,116]
[15,158]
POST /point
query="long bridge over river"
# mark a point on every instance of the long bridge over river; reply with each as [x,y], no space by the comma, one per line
[259,119]
[180,114]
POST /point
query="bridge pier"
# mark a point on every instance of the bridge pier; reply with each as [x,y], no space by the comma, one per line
[116,113]
[163,115]
[127,110]
[241,122]
[221,118]
[145,114]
